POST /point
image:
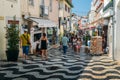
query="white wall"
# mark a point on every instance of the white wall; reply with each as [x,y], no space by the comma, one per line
[8,9]
[117,32]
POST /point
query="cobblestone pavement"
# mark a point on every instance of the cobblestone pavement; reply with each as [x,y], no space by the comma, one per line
[61,67]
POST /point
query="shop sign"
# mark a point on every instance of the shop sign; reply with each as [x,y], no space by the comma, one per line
[106,22]
[1,17]
[13,22]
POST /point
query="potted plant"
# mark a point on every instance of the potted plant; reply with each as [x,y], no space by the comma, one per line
[12,36]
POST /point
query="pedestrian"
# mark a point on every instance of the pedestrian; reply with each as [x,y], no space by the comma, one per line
[65,41]
[74,44]
[89,43]
[78,45]
[44,43]
[25,43]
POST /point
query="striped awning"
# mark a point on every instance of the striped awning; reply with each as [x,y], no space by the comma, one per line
[43,22]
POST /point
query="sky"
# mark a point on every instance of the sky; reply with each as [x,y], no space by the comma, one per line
[81,7]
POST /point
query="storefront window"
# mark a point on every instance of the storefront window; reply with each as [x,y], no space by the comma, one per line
[49,34]
[37,36]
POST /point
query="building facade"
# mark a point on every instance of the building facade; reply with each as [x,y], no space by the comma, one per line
[116,28]
[51,12]
[103,21]
[9,9]
[64,16]
[107,24]
[29,8]
[95,16]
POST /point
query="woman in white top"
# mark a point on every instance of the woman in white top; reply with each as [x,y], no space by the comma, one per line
[74,43]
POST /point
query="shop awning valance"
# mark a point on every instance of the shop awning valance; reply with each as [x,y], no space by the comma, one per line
[43,22]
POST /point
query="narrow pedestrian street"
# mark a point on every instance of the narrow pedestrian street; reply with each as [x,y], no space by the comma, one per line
[61,67]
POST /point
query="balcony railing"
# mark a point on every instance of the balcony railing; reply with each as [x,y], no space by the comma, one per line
[69,2]
[110,4]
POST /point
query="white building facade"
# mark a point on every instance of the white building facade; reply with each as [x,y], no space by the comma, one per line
[108,24]
[8,9]
[116,23]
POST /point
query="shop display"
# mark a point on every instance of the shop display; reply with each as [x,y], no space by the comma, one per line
[96,45]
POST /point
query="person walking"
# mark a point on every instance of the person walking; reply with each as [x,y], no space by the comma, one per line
[65,41]
[25,43]
[78,45]
[44,42]
[74,43]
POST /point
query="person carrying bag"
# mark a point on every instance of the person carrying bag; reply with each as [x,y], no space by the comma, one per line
[25,43]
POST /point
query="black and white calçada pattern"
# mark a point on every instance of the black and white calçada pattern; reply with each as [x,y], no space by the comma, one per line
[61,67]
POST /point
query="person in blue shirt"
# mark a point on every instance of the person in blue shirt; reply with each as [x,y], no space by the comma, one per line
[65,41]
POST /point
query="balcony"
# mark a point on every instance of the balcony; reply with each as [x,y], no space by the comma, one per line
[110,4]
[44,11]
[69,2]
[99,4]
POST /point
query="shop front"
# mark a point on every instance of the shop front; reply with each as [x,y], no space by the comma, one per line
[108,31]
[43,26]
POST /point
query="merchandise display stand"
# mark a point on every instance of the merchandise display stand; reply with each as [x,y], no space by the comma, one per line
[96,45]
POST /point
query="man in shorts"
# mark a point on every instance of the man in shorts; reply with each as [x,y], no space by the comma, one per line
[25,43]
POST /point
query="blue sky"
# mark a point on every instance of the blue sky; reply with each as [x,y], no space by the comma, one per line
[81,7]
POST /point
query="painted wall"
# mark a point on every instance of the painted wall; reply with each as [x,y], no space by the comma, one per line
[53,15]
[52,9]
[66,13]
[117,31]
[8,9]
[32,10]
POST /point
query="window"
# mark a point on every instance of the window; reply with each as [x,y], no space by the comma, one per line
[68,10]
[42,10]
[31,2]
[50,5]
[65,7]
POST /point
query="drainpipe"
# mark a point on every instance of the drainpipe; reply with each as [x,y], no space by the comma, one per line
[113,26]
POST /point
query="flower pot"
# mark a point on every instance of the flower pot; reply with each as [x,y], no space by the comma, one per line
[12,55]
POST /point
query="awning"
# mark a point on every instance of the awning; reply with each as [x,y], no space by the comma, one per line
[43,22]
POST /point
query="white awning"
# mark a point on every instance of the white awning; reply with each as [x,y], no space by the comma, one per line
[43,22]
